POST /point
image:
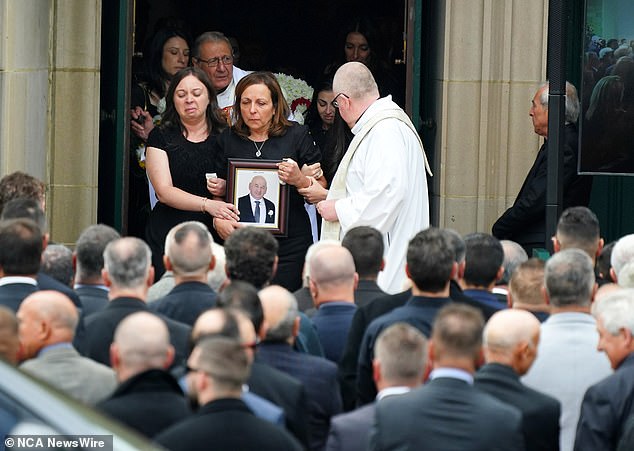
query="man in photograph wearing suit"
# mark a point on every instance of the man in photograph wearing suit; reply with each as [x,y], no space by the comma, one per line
[254,207]
[448,412]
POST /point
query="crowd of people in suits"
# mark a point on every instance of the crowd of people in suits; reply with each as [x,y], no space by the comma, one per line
[486,349]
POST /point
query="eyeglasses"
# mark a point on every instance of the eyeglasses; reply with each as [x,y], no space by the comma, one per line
[215,62]
[334,101]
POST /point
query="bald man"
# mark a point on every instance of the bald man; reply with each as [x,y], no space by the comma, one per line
[510,347]
[47,322]
[148,398]
[265,383]
[318,374]
[332,283]
[254,207]
[381,181]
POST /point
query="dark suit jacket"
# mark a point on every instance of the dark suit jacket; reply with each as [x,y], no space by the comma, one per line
[419,312]
[93,299]
[284,391]
[100,329]
[446,414]
[226,424]
[246,212]
[350,358]
[540,412]
[332,321]
[185,302]
[319,377]
[12,294]
[367,290]
[351,431]
[525,221]
[605,409]
[148,402]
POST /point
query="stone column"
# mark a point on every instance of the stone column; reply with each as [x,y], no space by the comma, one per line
[492,57]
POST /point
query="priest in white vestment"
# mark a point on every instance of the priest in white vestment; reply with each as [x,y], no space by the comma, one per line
[381,180]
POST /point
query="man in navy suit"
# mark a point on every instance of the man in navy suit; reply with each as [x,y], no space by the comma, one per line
[510,347]
[448,412]
[398,366]
[254,207]
[609,403]
[88,262]
[318,375]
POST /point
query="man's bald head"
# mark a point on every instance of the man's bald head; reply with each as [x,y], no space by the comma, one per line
[45,318]
[332,265]
[257,187]
[511,337]
[356,81]
[216,321]
[280,313]
[141,342]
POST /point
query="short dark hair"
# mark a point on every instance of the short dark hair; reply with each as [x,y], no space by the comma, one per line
[430,259]
[603,261]
[279,122]
[366,246]
[20,247]
[578,227]
[483,259]
[249,255]
[213,115]
[89,249]
[457,331]
[242,295]
[20,184]
[25,208]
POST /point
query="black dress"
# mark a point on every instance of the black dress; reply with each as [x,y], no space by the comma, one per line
[188,163]
[297,144]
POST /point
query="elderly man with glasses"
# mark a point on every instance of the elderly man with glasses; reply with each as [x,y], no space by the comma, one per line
[381,179]
[213,54]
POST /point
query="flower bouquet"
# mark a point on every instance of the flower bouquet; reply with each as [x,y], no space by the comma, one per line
[298,95]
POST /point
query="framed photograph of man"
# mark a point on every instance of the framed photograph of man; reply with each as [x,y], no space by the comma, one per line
[254,187]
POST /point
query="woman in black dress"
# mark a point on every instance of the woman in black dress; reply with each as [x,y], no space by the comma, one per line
[262,131]
[179,154]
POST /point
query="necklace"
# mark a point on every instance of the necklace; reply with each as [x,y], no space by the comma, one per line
[258,150]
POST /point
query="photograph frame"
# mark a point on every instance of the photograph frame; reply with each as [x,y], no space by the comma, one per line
[241,173]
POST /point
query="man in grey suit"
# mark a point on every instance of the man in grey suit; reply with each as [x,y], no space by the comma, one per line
[448,412]
[398,366]
[47,328]
[567,360]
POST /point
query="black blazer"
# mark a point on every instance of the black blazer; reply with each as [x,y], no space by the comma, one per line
[92,298]
[226,424]
[446,414]
[606,407]
[100,329]
[148,402]
[284,391]
[185,302]
[12,294]
[525,221]
[540,412]
[367,290]
[319,377]
[246,212]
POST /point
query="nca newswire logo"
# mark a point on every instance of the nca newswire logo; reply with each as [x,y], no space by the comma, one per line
[55,442]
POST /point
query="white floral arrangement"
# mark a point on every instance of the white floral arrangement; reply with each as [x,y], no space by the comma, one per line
[298,95]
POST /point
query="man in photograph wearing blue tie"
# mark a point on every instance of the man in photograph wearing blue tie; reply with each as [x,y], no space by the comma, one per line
[253,206]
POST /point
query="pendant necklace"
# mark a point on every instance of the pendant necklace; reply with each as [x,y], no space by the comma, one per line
[258,150]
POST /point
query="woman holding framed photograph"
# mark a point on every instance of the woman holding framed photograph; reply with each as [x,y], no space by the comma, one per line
[263,132]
